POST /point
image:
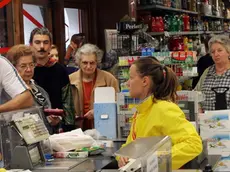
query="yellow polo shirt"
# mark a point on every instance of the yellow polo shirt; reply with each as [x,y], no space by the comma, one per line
[164,118]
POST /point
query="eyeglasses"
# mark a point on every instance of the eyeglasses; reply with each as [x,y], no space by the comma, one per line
[26,66]
[85,63]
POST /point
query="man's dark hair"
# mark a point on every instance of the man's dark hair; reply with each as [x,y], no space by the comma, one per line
[78,38]
[40,31]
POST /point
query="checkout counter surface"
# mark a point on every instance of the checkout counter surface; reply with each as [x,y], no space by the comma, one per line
[90,164]
[96,164]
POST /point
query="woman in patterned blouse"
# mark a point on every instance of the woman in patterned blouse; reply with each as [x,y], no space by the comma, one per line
[215,81]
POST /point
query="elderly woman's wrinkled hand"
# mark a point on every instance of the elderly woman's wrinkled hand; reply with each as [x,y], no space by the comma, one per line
[89,114]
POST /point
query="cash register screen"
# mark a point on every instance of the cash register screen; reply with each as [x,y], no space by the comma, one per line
[32,128]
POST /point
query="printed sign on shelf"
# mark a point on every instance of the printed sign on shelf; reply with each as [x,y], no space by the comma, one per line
[214,121]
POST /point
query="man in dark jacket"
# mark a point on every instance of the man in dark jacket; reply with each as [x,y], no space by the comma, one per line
[52,76]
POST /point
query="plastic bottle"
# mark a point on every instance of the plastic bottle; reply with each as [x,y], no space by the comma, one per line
[184,4]
[190,45]
[173,3]
[189,5]
[149,52]
[170,23]
[193,6]
[180,23]
[161,24]
[175,23]
[153,28]
[191,21]
[166,23]
[178,4]
[195,24]
[157,22]
[186,22]
[185,43]
[143,52]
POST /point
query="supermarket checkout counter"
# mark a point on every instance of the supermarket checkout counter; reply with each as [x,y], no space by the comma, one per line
[21,138]
[23,131]
[164,162]
[100,162]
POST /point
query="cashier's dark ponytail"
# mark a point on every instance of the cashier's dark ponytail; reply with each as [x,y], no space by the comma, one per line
[164,81]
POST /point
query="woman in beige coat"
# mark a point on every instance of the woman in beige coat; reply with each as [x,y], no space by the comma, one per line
[85,80]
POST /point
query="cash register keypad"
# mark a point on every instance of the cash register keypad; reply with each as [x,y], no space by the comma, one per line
[32,128]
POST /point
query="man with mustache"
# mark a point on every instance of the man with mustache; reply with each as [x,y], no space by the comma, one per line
[53,77]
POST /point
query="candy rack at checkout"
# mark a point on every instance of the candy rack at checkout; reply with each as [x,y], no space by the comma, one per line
[183,63]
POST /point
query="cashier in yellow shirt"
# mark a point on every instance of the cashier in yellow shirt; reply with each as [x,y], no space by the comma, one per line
[157,114]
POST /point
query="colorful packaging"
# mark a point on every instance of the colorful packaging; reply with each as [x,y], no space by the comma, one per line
[72,155]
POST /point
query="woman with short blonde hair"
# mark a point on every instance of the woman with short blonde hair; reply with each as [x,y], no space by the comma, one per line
[215,81]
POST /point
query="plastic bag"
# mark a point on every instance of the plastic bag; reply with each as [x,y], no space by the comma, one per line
[72,140]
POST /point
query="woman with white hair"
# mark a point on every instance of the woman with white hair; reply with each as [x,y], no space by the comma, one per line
[215,81]
[85,80]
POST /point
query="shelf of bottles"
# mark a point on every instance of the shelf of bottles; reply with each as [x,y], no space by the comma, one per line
[182,17]
[181,62]
[170,25]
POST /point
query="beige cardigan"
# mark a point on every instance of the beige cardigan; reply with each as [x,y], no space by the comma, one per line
[104,79]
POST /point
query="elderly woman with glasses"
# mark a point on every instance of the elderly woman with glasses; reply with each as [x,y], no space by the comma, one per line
[215,81]
[22,57]
[85,80]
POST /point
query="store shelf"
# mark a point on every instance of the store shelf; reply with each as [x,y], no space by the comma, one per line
[184,33]
[210,16]
[149,7]
[213,32]
[176,33]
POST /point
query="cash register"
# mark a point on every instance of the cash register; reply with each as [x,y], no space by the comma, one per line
[22,135]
